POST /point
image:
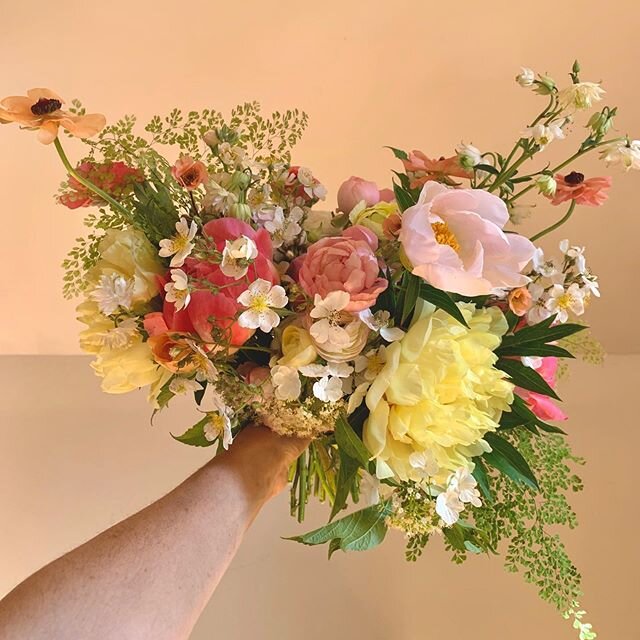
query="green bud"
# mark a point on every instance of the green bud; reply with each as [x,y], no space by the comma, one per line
[546,185]
[545,85]
[239,181]
[241,211]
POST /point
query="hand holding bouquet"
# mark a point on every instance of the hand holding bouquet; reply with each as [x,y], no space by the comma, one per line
[410,332]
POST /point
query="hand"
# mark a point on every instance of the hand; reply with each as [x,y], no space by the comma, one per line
[262,459]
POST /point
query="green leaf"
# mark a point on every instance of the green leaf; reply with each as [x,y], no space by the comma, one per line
[541,333]
[488,168]
[403,197]
[521,415]
[195,435]
[539,349]
[480,474]
[411,285]
[358,531]
[526,377]
[399,153]
[442,300]
[349,443]
[507,459]
[347,473]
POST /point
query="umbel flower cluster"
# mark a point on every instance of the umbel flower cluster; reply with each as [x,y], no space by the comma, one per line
[410,331]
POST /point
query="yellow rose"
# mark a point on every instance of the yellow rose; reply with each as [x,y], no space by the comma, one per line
[128,253]
[297,347]
[438,393]
[373,217]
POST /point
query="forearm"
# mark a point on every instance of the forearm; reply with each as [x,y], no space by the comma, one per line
[151,575]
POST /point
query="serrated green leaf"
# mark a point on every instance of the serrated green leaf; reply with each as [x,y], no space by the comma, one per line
[507,459]
[399,153]
[349,443]
[442,300]
[358,531]
[526,377]
[195,435]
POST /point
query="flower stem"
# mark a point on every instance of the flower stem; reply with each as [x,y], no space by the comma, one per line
[88,184]
[554,226]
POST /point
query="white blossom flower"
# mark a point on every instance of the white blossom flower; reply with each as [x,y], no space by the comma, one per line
[581,95]
[120,336]
[180,245]
[219,424]
[562,300]
[576,254]
[260,299]
[546,268]
[231,156]
[371,363]
[623,152]
[336,369]
[311,186]
[286,382]
[545,134]
[180,386]
[328,389]
[465,485]
[283,229]
[112,292]
[424,462]
[205,369]
[237,256]
[177,291]
[590,285]
[218,198]
[379,321]
[449,507]
[468,155]
[526,77]
[328,312]
[358,395]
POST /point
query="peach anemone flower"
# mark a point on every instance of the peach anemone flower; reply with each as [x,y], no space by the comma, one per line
[41,109]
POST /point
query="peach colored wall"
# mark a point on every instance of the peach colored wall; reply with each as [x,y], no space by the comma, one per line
[407,73]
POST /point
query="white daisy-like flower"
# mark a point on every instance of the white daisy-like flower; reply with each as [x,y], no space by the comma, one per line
[562,300]
[112,292]
[219,424]
[260,299]
[581,95]
[329,312]
[177,291]
[180,386]
[449,507]
[328,389]
[286,382]
[623,152]
[237,256]
[180,245]
[283,229]
[543,135]
[526,77]
[379,321]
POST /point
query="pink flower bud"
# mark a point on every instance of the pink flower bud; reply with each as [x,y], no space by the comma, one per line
[354,190]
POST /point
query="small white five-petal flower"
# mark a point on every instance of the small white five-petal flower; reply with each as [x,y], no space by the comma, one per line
[180,245]
[177,291]
[260,299]
[237,256]
[328,312]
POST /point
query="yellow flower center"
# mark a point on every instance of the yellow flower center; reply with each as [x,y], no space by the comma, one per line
[444,235]
[259,303]
[565,300]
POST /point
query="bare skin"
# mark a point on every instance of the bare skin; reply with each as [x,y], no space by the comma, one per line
[151,575]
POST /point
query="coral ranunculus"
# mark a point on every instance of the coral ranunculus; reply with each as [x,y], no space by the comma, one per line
[41,110]
[453,238]
[211,314]
[344,263]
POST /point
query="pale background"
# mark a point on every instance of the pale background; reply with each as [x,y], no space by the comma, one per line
[410,74]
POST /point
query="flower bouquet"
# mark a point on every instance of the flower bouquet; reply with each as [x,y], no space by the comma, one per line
[410,334]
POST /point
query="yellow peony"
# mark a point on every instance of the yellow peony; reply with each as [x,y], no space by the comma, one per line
[438,393]
[128,253]
[123,360]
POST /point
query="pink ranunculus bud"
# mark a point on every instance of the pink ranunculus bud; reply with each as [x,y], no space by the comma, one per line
[387,195]
[355,190]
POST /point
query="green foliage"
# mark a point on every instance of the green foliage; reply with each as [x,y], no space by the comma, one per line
[442,300]
[507,459]
[521,518]
[195,435]
[525,377]
[349,442]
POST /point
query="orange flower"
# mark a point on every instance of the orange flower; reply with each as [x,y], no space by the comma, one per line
[189,173]
[520,301]
[42,109]
[591,192]
[421,169]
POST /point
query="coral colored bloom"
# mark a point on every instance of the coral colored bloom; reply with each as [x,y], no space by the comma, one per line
[454,240]
[420,168]
[41,110]
[344,263]
[114,178]
[591,192]
[543,406]
[520,301]
[212,315]
[387,195]
[189,173]
[355,190]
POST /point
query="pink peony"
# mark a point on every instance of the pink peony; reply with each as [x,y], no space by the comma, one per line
[453,238]
[344,263]
[591,192]
[543,406]
[212,315]
[189,173]
[355,190]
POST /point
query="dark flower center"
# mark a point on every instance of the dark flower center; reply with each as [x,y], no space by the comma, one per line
[44,106]
[574,178]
